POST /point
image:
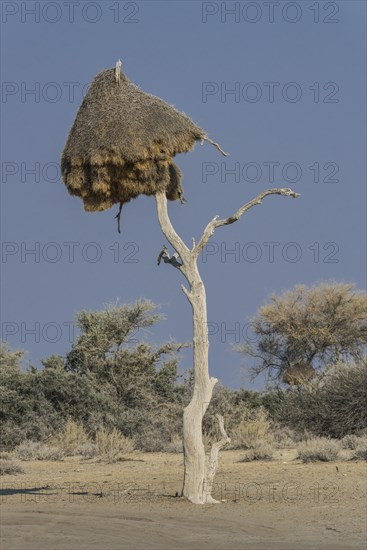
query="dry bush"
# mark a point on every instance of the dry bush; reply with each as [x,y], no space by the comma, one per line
[175,445]
[35,450]
[160,431]
[10,467]
[334,408]
[323,322]
[150,442]
[284,438]
[344,398]
[260,451]
[252,431]
[360,453]
[318,449]
[72,437]
[350,441]
[5,455]
[359,447]
[112,444]
[87,450]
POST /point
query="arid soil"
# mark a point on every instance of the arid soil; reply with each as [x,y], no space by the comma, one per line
[132,505]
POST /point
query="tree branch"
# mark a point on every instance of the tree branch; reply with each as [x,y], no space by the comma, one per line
[214,223]
[168,228]
[187,293]
[214,454]
[216,145]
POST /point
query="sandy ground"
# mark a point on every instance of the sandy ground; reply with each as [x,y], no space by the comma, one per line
[132,505]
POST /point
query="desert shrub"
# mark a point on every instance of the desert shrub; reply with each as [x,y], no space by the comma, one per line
[159,427]
[249,432]
[300,410]
[318,449]
[35,450]
[25,413]
[175,445]
[303,330]
[72,437]
[104,381]
[357,444]
[350,441]
[87,450]
[151,442]
[360,452]
[10,467]
[284,437]
[36,404]
[238,407]
[344,398]
[260,451]
[334,407]
[5,455]
[112,444]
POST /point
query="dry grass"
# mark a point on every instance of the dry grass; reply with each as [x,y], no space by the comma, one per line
[261,451]
[5,455]
[72,437]
[360,448]
[319,449]
[10,467]
[352,441]
[360,453]
[284,438]
[175,445]
[112,445]
[109,445]
[88,450]
[249,433]
[35,450]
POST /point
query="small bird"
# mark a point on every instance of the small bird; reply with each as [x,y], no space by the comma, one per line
[163,253]
[174,260]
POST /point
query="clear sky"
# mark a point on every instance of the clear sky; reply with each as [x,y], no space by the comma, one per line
[281,86]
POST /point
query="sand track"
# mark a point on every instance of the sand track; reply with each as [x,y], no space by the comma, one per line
[282,505]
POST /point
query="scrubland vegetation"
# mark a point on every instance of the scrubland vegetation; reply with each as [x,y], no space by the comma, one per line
[113,394]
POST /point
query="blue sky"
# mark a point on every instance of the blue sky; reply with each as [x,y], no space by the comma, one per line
[310,134]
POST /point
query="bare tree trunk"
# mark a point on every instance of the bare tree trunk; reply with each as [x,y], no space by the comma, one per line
[199,472]
[195,460]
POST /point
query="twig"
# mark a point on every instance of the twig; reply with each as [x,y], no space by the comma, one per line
[118,71]
[217,146]
[118,217]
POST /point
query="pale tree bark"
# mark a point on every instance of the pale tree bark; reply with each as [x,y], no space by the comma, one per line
[199,472]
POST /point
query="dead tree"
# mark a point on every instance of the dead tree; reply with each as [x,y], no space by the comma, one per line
[199,472]
[122,145]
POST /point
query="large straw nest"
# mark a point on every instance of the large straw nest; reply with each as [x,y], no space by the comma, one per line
[122,143]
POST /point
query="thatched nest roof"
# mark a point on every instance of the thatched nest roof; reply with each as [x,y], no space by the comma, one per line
[122,143]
